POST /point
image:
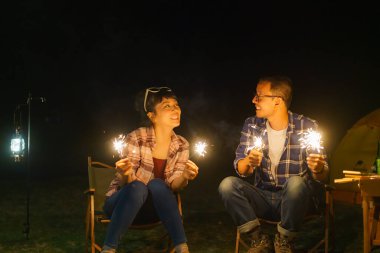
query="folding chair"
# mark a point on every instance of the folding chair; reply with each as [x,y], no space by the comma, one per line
[100,175]
[327,215]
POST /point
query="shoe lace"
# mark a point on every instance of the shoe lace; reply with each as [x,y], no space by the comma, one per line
[259,242]
[284,243]
[285,246]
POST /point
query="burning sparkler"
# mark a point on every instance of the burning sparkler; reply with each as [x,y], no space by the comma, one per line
[119,145]
[311,140]
[200,148]
[257,144]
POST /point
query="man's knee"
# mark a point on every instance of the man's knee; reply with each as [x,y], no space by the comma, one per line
[227,185]
[296,185]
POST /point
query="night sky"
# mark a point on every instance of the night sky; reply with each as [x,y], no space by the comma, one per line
[90,59]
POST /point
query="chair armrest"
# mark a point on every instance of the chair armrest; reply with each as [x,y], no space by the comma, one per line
[329,188]
[90,191]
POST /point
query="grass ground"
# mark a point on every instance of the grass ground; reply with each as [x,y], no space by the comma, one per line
[57,209]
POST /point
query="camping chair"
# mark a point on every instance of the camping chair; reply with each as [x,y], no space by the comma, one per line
[327,214]
[100,175]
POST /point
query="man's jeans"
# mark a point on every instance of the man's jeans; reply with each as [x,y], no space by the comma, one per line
[246,203]
[123,206]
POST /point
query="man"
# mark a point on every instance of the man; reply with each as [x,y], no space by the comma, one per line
[285,174]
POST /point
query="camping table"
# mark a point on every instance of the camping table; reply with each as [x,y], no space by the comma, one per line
[370,192]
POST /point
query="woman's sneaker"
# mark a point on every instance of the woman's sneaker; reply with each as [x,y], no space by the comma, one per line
[107,249]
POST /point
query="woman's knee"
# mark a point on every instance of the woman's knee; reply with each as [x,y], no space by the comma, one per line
[157,185]
[136,189]
[159,189]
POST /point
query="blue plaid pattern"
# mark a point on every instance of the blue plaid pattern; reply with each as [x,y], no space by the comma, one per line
[293,159]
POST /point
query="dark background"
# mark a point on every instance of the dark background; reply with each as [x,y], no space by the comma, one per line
[90,59]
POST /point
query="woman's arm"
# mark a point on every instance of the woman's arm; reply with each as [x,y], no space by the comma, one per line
[189,173]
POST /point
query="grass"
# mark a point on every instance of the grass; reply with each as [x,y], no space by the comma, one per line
[57,209]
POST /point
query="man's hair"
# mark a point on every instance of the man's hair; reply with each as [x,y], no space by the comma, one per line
[280,86]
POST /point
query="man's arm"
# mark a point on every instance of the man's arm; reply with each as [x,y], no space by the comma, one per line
[247,165]
[241,162]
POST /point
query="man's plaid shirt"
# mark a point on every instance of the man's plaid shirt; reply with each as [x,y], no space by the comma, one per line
[293,159]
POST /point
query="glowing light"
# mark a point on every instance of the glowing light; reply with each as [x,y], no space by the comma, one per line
[200,148]
[17,144]
[257,144]
[311,140]
[119,144]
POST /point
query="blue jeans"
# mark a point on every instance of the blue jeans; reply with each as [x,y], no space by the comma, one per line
[123,207]
[246,203]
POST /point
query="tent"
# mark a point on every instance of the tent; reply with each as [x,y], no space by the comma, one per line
[357,148]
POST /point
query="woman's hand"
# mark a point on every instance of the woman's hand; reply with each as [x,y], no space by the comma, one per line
[189,173]
[191,170]
[124,167]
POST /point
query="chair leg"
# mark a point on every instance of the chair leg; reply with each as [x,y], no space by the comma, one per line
[92,224]
[332,224]
[87,224]
[327,228]
[375,220]
[237,243]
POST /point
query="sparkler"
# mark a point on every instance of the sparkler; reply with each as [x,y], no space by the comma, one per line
[311,140]
[258,144]
[119,145]
[200,148]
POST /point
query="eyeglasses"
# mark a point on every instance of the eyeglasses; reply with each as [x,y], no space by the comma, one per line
[153,90]
[259,97]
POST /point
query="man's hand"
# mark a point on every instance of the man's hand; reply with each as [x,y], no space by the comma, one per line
[254,158]
[316,163]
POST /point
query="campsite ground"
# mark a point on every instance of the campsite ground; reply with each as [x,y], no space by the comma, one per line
[57,209]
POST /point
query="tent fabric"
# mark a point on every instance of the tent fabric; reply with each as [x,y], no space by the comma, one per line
[372,119]
[358,148]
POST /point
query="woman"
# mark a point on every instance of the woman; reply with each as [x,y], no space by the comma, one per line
[156,165]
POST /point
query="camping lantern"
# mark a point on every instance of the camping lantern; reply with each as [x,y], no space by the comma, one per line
[17,146]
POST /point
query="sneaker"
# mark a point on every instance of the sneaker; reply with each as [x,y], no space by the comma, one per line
[182,248]
[107,249]
[261,245]
[283,245]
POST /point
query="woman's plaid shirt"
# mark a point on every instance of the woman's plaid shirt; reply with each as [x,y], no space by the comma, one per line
[139,151]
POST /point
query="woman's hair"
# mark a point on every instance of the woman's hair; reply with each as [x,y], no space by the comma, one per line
[147,99]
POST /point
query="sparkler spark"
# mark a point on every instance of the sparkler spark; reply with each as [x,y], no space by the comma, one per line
[119,144]
[311,140]
[200,148]
[258,144]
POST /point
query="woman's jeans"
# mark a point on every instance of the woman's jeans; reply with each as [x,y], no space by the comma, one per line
[123,206]
[246,203]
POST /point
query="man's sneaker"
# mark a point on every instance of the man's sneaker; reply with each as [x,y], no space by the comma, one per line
[283,245]
[261,245]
